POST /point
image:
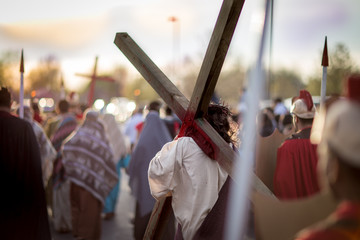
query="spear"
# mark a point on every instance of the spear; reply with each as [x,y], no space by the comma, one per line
[238,202]
[21,100]
[325,64]
[62,88]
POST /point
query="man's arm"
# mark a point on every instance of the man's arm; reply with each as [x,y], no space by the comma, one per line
[162,169]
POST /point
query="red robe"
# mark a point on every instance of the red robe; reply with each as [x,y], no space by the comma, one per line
[296,174]
[343,224]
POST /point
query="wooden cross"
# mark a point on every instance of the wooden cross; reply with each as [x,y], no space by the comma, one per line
[192,112]
[94,78]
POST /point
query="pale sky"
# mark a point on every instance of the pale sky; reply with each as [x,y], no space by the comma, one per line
[76,31]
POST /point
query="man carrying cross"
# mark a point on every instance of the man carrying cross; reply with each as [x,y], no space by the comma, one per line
[183,170]
[192,112]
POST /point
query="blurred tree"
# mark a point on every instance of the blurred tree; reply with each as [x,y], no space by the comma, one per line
[231,81]
[7,68]
[140,91]
[187,76]
[230,84]
[46,74]
[188,81]
[340,65]
[285,83]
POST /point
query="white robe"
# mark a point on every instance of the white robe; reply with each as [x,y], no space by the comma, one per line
[182,170]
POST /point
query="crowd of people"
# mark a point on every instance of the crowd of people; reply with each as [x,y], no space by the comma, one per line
[66,169]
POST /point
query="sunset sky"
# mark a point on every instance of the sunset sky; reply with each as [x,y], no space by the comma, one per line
[78,30]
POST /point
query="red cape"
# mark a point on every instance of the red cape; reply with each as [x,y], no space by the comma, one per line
[296,167]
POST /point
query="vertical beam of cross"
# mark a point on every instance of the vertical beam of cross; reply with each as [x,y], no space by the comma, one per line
[215,56]
[92,84]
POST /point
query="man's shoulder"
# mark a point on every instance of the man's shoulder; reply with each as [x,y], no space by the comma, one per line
[13,121]
[302,134]
[187,142]
[16,128]
[189,145]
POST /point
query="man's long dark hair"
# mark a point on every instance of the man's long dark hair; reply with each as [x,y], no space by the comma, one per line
[218,117]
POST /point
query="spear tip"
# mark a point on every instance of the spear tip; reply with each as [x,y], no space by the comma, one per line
[22,61]
[325,58]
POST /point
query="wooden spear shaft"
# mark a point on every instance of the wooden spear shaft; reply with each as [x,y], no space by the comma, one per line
[325,64]
[21,100]
[238,201]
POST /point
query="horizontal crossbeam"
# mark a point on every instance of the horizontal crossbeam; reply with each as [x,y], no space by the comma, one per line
[152,74]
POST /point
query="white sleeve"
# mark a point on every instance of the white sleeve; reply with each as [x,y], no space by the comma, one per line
[162,168]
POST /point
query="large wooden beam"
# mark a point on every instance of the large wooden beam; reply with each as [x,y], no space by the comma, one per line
[226,156]
[175,99]
[215,56]
[152,74]
[159,219]
[223,153]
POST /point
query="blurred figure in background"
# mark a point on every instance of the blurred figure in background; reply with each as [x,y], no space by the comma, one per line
[60,185]
[339,168]
[266,122]
[53,122]
[153,136]
[279,107]
[121,156]
[286,125]
[36,112]
[172,122]
[295,174]
[23,212]
[130,126]
[47,151]
[89,165]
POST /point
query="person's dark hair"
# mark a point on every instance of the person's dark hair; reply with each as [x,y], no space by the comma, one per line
[218,117]
[235,117]
[63,106]
[265,125]
[287,120]
[278,100]
[306,121]
[5,97]
[83,107]
[168,111]
[154,106]
[140,110]
[35,107]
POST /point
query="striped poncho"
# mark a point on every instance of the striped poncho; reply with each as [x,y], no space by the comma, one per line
[88,160]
